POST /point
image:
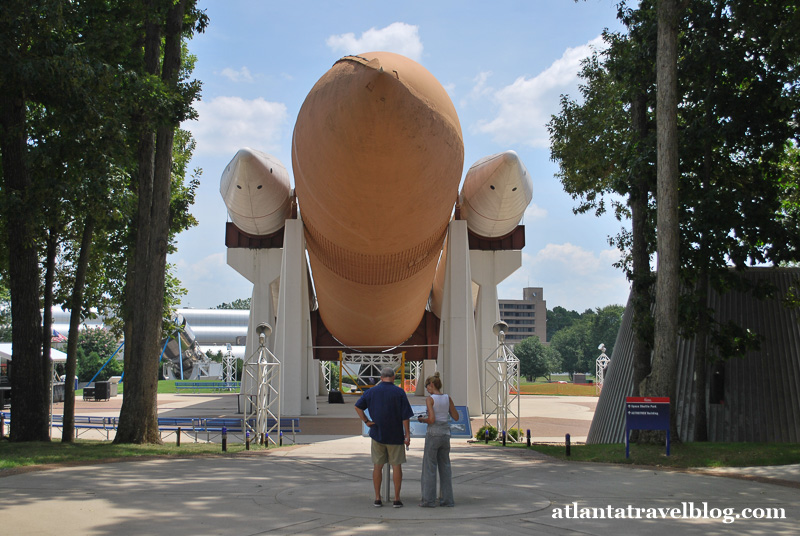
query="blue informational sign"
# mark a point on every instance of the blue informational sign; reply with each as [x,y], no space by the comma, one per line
[459,428]
[645,413]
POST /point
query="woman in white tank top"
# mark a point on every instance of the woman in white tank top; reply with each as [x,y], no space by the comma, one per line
[437,445]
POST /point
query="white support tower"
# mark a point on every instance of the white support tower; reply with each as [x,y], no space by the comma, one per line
[330,380]
[413,370]
[501,396]
[229,365]
[263,369]
[281,294]
[459,362]
[488,269]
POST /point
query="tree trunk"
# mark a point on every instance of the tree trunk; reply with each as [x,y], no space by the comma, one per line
[139,416]
[662,380]
[28,371]
[641,278]
[76,306]
[47,316]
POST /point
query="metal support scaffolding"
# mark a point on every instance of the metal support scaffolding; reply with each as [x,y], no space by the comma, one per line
[414,369]
[332,372]
[365,369]
[263,404]
[229,365]
[328,378]
[501,393]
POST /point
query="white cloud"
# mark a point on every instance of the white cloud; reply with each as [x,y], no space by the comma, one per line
[525,106]
[242,75]
[206,269]
[398,37]
[574,258]
[226,124]
[534,212]
[479,89]
[571,276]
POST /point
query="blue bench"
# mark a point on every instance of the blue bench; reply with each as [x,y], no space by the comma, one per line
[210,386]
[196,425]
[213,426]
[83,423]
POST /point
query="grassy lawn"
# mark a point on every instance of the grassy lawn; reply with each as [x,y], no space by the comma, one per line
[164,386]
[682,455]
[562,389]
[14,455]
[541,386]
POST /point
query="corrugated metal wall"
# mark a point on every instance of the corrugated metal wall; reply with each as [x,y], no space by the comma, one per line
[760,393]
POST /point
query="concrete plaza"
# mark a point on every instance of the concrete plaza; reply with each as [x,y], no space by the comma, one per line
[323,487]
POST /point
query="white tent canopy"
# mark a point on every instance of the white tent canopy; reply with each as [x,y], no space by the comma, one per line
[55,355]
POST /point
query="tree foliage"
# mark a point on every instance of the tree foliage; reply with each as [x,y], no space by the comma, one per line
[558,319]
[5,313]
[535,359]
[735,129]
[239,303]
[74,99]
[91,366]
[574,347]
[95,347]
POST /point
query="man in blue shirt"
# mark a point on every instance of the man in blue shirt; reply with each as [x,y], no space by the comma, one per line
[389,429]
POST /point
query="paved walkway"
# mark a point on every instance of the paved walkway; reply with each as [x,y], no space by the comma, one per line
[324,488]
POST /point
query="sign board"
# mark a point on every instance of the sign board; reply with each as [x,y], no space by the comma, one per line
[645,413]
[458,428]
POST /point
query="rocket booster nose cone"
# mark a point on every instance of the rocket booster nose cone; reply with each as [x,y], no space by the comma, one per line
[256,190]
[496,192]
[510,156]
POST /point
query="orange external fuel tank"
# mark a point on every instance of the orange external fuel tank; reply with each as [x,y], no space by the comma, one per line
[377,155]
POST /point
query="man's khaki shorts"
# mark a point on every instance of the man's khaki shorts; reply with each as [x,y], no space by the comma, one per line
[394,454]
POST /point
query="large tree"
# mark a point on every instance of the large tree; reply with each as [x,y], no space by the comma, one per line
[577,345]
[560,318]
[40,68]
[662,379]
[737,88]
[171,21]
[535,359]
[71,83]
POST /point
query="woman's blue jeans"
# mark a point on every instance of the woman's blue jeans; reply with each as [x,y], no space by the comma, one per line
[437,456]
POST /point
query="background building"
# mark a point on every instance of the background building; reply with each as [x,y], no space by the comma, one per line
[526,317]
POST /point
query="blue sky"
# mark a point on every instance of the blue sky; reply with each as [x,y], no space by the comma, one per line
[504,63]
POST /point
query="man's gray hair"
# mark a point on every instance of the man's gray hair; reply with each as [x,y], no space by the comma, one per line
[387,372]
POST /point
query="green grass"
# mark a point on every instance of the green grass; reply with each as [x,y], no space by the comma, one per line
[164,386]
[13,455]
[682,455]
[541,386]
